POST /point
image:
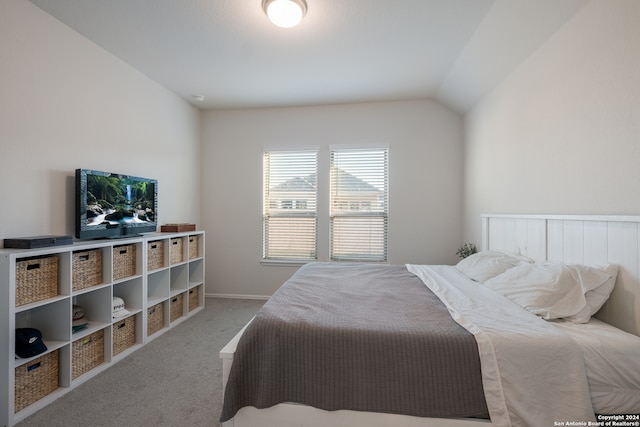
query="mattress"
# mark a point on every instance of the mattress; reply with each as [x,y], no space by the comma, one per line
[359,337]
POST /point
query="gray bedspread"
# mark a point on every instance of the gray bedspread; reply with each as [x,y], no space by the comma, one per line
[360,337]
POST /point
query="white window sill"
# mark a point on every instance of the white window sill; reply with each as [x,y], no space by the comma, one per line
[284,262]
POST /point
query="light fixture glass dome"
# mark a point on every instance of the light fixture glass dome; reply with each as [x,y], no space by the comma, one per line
[285,13]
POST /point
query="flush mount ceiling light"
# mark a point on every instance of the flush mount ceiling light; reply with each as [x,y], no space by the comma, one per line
[285,13]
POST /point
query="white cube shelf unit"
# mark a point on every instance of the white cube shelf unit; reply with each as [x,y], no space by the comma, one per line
[146,272]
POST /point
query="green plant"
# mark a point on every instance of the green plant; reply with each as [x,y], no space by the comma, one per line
[466,250]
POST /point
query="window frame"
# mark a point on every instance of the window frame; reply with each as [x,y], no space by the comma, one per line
[279,209]
[381,181]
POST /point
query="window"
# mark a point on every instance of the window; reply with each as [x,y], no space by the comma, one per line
[290,205]
[359,204]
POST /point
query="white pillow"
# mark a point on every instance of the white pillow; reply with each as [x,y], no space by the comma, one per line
[548,289]
[487,264]
[596,297]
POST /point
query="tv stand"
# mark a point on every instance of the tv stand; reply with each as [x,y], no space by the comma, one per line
[160,276]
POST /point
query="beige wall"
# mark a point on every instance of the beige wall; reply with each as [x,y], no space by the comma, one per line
[561,134]
[65,103]
[425,213]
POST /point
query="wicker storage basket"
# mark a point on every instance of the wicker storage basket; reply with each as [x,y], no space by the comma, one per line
[155,319]
[87,353]
[193,299]
[124,334]
[193,247]
[175,250]
[87,269]
[36,279]
[35,380]
[124,261]
[176,307]
[155,254]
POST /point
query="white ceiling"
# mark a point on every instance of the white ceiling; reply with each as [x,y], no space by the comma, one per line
[344,51]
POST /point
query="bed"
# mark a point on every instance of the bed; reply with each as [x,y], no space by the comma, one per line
[304,362]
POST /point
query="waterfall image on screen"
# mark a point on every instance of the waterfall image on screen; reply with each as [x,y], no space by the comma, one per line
[114,199]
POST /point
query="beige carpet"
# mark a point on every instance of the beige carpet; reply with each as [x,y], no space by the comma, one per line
[175,380]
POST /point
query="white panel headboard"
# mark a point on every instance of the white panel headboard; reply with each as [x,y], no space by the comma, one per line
[578,239]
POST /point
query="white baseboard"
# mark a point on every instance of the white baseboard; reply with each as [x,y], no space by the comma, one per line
[238,296]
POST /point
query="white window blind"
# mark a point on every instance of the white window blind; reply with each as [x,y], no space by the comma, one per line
[359,204]
[290,210]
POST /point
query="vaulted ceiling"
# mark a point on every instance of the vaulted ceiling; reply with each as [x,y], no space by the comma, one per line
[344,51]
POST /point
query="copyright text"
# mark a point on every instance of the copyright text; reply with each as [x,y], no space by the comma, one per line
[628,420]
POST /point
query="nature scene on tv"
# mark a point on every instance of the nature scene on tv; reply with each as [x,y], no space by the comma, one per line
[114,200]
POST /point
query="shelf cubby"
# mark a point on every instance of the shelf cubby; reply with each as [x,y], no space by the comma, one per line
[127,333]
[131,292]
[196,298]
[176,307]
[97,306]
[196,272]
[179,278]
[88,352]
[158,286]
[51,319]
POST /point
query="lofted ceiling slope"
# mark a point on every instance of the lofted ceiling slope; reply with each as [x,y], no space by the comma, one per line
[344,51]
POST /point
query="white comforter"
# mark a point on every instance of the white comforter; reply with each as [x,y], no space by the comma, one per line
[533,373]
[613,369]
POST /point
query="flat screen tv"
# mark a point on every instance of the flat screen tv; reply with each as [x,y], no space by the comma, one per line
[111,205]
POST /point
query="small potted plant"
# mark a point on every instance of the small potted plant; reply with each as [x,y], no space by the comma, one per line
[466,250]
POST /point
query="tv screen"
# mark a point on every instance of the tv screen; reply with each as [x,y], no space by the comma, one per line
[110,205]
